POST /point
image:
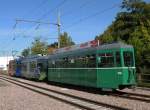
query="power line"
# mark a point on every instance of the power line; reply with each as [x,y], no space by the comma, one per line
[58,6]
[70,12]
[93,15]
[90,16]
[38,6]
[43,2]
[80,7]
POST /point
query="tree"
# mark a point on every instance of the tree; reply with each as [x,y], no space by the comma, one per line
[65,40]
[132,26]
[25,52]
[39,47]
[52,47]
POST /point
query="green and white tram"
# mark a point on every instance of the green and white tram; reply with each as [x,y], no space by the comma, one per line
[109,66]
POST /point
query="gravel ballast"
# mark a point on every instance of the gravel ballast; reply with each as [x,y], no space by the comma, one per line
[13,97]
[108,99]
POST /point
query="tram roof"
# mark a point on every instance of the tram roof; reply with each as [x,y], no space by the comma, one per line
[115,45]
[90,50]
[34,58]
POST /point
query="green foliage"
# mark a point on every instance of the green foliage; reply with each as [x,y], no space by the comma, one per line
[53,45]
[25,52]
[132,26]
[65,40]
[39,47]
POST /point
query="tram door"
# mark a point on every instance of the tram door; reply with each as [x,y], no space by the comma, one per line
[107,77]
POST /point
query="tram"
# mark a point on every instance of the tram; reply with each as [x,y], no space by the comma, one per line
[109,66]
[104,66]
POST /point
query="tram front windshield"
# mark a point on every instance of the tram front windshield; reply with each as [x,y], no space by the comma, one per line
[128,58]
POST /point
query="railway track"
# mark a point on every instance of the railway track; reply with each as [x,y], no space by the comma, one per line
[80,102]
[132,96]
[143,88]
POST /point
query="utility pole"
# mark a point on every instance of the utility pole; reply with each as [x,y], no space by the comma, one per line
[58,26]
[45,23]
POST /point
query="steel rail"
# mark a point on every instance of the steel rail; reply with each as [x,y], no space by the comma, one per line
[72,96]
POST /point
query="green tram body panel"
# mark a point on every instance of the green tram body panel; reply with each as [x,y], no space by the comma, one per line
[84,77]
[94,76]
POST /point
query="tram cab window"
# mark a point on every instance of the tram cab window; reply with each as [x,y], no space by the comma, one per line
[106,60]
[118,59]
[128,58]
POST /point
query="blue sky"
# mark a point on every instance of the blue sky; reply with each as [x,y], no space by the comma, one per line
[72,14]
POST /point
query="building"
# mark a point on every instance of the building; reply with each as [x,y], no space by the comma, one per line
[4,62]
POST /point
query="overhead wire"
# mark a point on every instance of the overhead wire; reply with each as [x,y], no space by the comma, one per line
[14,27]
[80,20]
[55,8]
[80,7]
[89,17]
[92,15]
[50,11]
[42,3]
[44,15]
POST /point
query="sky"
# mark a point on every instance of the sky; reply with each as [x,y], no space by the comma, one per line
[82,19]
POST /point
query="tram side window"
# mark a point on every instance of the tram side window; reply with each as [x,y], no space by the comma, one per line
[118,59]
[24,67]
[33,66]
[128,58]
[65,62]
[80,62]
[106,60]
[40,66]
[71,63]
[91,60]
[51,64]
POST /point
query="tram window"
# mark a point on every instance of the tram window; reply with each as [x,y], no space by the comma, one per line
[24,66]
[107,60]
[91,61]
[128,58]
[33,66]
[80,62]
[65,62]
[51,64]
[118,59]
[72,61]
